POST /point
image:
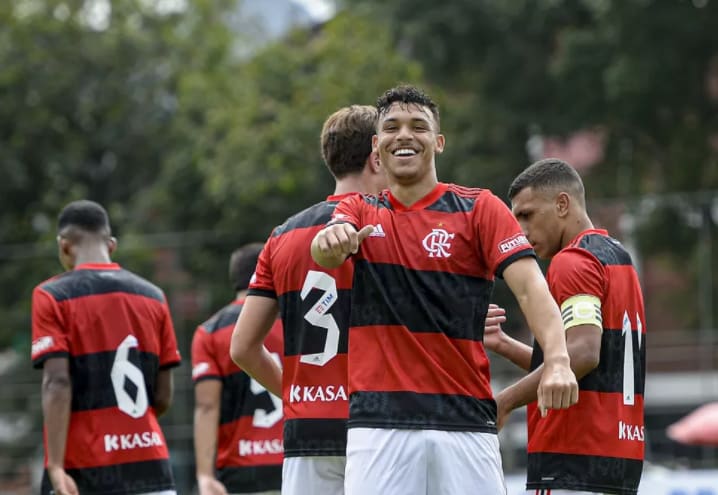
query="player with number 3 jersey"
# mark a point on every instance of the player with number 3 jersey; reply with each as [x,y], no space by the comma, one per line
[106,343]
[314,308]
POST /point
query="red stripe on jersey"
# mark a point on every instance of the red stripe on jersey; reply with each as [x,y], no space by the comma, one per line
[599,425]
[313,391]
[104,437]
[429,363]
[260,447]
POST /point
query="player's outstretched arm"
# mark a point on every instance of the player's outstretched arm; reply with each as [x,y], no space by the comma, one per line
[56,402]
[332,245]
[558,388]
[496,340]
[247,346]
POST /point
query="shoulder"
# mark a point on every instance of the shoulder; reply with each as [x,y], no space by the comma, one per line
[316,215]
[604,248]
[224,317]
[139,285]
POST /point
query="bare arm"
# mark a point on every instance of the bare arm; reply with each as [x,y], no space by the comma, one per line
[56,405]
[557,388]
[584,348]
[496,340]
[164,391]
[247,347]
[207,395]
[332,245]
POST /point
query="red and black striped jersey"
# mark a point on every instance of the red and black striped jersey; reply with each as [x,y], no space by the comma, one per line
[422,283]
[314,307]
[597,444]
[116,331]
[249,443]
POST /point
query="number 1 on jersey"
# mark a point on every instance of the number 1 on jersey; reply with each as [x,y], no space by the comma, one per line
[629,386]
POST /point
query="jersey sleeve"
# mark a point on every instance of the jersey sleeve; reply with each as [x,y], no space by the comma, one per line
[349,210]
[262,281]
[574,272]
[169,353]
[204,362]
[49,335]
[501,240]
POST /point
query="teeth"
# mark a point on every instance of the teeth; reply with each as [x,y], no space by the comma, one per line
[404,152]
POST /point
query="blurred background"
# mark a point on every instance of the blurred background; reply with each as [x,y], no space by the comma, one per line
[196,123]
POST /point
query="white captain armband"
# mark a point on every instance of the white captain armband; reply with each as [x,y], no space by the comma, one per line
[581,309]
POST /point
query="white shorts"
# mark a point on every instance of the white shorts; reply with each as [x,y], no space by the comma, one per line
[271,492]
[551,491]
[410,462]
[315,474]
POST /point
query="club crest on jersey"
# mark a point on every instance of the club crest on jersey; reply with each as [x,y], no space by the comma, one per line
[437,243]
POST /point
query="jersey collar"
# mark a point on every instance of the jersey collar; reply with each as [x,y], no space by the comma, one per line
[98,266]
[427,200]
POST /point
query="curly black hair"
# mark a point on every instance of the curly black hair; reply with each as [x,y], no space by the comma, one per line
[406,94]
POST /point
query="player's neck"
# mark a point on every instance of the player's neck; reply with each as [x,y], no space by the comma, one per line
[95,255]
[354,183]
[580,223]
[409,193]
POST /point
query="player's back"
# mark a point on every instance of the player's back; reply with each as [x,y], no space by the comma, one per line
[606,427]
[314,306]
[115,328]
[249,443]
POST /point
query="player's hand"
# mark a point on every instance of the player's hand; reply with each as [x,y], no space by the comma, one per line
[341,240]
[208,485]
[558,388]
[493,333]
[62,483]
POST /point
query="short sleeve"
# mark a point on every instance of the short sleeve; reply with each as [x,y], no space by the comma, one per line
[169,353]
[575,272]
[49,334]
[501,240]
[349,210]
[262,281]
[204,359]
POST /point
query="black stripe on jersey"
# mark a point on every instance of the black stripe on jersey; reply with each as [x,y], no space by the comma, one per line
[450,202]
[119,479]
[262,293]
[608,250]
[414,411]
[92,383]
[521,254]
[409,297]
[605,378]
[39,362]
[238,400]
[583,473]
[378,201]
[79,283]
[251,479]
[300,336]
[310,437]
[317,214]
[223,318]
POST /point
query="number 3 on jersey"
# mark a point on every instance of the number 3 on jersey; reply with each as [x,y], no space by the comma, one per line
[629,387]
[318,315]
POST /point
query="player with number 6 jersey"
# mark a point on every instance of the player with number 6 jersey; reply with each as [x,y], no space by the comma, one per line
[105,341]
[314,308]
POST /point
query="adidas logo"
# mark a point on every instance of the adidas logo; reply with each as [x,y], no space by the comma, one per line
[378,231]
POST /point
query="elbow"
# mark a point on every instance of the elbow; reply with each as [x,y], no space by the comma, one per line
[238,351]
[162,404]
[56,384]
[584,362]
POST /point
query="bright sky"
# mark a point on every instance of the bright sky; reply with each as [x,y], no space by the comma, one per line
[319,9]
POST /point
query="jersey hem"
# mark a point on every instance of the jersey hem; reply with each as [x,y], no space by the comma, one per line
[399,425]
[582,488]
[39,361]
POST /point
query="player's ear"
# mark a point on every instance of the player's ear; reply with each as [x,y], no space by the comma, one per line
[111,244]
[440,143]
[563,201]
[374,143]
[374,162]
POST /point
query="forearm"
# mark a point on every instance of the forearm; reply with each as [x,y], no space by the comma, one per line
[516,352]
[522,392]
[56,405]
[206,421]
[260,365]
[544,320]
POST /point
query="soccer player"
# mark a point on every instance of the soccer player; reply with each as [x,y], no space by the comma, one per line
[422,418]
[314,306]
[104,339]
[235,419]
[597,445]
